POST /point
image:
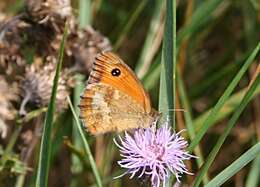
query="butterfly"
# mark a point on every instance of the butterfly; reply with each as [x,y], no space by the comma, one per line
[114,100]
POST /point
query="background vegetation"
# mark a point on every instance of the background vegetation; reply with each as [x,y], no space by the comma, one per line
[213,57]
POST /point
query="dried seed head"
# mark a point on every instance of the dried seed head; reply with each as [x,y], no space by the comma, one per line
[10,32]
[52,13]
[82,46]
[11,64]
[11,40]
[86,45]
[25,38]
[37,84]
[8,93]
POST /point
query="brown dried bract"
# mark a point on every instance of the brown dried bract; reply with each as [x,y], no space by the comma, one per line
[85,45]
[51,13]
[36,86]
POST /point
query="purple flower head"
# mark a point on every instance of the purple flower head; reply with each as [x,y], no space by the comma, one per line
[156,153]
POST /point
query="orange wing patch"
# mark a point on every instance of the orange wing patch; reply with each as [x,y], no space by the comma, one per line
[110,110]
[114,99]
[126,82]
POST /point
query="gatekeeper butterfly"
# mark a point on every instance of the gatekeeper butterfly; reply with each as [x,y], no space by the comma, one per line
[114,99]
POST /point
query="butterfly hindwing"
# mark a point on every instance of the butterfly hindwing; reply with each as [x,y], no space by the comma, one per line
[104,109]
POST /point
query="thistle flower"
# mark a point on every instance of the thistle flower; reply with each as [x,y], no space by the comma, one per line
[154,153]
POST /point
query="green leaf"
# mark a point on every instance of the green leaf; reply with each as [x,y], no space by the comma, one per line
[86,146]
[227,109]
[168,69]
[230,125]
[168,65]
[8,150]
[203,11]
[76,165]
[151,78]
[200,16]
[253,177]
[214,112]
[189,122]
[236,166]
[84,13]
[155,24]
[45,149]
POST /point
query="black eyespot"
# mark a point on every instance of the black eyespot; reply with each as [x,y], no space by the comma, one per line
[116,72]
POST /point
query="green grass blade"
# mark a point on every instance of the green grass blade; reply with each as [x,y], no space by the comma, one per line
[233,168]
[168,64]
[251,32]
[45,149]
[230,125]
[9,147]
[152,77]
[227,109]
[86,146]
[201,14]
[155,23]
[174,60]
[76,165]
[205,9]
[31,115]
[214,77]
[84,13]
[253,177]
[189,122]
[163,101]
[211,117]
[167,79]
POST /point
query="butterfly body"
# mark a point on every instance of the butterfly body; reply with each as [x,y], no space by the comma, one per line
[114,99]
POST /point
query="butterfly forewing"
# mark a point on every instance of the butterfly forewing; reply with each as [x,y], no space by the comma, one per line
[114,99]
